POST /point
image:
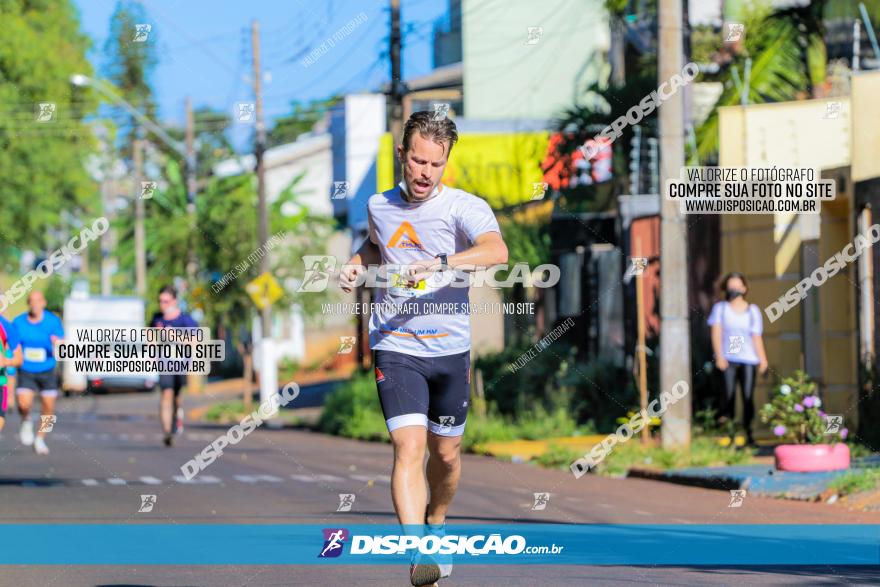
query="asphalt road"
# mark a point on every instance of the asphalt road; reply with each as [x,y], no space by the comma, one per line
[106,453]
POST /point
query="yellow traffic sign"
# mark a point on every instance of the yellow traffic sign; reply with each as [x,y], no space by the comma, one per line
[264,290]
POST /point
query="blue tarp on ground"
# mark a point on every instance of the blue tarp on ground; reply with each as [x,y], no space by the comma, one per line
[763,479]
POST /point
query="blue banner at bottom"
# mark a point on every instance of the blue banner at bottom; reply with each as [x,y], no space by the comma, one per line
[575,544]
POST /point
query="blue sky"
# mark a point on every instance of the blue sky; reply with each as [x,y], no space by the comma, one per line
[204,48]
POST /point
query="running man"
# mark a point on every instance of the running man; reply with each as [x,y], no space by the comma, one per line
[10,358]
[38,329]
[170,316]
[422,361]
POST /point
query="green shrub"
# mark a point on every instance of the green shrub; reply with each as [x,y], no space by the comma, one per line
[492,427]
[793,412]
[353,410]
[856,481]
[594,393]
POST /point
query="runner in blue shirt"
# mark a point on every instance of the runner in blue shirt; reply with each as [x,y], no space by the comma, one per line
[10,358]
[170,316]
[37,329]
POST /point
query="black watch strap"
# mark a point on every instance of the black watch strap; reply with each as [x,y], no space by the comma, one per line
[444,261]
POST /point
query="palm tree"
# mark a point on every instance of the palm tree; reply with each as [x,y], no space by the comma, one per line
[787,53]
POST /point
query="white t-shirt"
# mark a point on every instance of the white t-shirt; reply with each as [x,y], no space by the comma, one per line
[405,232]
[737,329]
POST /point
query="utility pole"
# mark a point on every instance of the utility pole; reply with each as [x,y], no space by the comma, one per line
[259,150]
[193,261]
[268,374]
[642,349]
[395,98]
[106,238]
[675,345]
[140,247]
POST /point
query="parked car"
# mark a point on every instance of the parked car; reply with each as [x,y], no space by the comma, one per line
[102,312]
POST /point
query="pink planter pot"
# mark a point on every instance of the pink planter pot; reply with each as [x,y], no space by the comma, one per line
[805,458]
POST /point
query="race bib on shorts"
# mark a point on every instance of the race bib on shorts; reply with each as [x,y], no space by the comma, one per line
[34,355]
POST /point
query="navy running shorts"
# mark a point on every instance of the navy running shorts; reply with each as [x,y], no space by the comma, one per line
[43,382]
[175,382]
[433,392]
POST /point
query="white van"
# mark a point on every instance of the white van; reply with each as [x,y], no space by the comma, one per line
[103,312]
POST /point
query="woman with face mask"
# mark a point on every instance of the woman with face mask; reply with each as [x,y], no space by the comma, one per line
[738,347]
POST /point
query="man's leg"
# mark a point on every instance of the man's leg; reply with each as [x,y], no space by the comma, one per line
[444,471]
[47,408]
[25,399]
[178,391]
[408,490]
[166,409]
[449,399]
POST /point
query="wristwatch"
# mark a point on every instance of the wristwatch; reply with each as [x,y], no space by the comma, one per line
[444,263]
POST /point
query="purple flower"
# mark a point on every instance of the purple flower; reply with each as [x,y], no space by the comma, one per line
[821,414]
[809,401]
[779,430]
[844,433]
[798,408]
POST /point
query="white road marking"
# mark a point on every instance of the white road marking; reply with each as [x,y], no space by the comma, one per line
[117,481]
[89,482]
[258,478]
[642,513]
[328,478]
[199,480]
[151,481]
[124,437]
[304,478]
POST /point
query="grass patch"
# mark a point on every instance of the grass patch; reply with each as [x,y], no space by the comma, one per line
[704,452]
[233,412]
[558,457]
[535,425]
[856,481]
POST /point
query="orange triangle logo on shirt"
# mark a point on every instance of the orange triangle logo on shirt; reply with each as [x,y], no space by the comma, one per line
[380,377]
[410,242]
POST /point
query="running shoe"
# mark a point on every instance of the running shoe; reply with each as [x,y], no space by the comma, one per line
[40,446]
[169,439]
[26,433]
[424,571]
[444,561]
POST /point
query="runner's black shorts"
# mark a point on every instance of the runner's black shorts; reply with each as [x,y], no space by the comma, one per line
[175,382]
[43,382]
[433,392]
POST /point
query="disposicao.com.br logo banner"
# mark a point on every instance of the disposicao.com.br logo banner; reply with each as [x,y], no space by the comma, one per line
[484,544]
